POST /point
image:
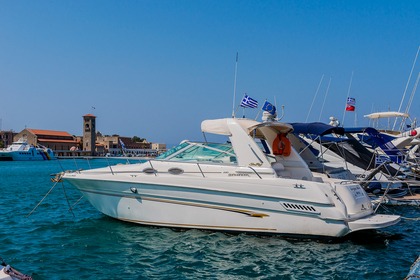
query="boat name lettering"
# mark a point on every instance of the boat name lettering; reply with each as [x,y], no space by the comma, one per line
[357,191]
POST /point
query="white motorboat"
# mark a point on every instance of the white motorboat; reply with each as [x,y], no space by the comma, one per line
[256,182]
[22,150]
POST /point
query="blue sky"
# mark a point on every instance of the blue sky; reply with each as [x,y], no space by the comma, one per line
[156,69]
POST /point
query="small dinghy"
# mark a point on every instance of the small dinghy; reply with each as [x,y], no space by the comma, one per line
[414,270]
[9,273]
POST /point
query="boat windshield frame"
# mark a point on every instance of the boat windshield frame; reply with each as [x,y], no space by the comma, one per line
[201,152]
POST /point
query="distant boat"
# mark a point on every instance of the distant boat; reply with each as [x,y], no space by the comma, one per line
[21,150]
[413,130]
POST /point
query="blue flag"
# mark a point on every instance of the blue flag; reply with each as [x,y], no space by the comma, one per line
[269,108]
[248,102]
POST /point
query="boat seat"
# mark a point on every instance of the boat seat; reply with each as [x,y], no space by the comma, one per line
[277,166]
[280,170]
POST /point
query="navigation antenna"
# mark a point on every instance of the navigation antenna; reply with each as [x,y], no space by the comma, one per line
[234,86]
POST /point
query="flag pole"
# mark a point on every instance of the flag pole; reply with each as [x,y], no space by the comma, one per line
[234,86]
[348,94]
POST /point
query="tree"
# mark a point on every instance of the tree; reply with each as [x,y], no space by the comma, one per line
[137,139]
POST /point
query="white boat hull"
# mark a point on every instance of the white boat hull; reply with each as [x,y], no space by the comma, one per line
[232,206]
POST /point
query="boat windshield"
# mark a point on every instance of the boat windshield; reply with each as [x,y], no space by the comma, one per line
[191,151]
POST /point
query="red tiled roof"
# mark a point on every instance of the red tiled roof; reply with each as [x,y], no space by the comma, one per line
[57,141]
[48,132]
[89,115]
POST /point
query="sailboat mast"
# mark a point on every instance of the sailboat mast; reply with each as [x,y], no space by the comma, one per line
[410,101]
[313,100]
[406,85]
[325,97]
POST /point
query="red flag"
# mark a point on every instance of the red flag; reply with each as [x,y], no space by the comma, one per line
[350,108]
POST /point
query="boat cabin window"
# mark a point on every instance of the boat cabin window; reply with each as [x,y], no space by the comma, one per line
[172,151]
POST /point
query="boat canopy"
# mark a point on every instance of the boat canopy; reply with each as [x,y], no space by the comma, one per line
[278,127]
[389,114]
[316,128]
[221,126]
[372,132]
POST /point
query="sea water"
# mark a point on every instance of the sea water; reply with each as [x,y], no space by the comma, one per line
[48,241]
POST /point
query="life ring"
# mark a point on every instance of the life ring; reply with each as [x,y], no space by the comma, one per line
[281,145]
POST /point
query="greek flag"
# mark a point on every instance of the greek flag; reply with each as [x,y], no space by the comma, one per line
[269,108]
[248,102]
[351,101]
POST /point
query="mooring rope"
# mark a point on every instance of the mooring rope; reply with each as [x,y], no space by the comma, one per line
[39,203]
[67,199]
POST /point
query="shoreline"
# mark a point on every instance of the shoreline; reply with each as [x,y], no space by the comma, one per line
[103,157]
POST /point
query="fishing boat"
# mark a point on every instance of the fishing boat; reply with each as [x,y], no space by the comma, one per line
[255,182]
[21,150]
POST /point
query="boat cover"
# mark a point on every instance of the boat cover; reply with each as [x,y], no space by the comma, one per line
[375,139]
[316,128]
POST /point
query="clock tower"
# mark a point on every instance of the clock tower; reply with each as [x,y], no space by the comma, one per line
[89,133]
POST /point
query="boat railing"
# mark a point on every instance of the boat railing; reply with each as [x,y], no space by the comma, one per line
[179,170]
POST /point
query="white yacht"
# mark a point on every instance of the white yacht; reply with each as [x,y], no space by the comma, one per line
[21,150]
[255,182]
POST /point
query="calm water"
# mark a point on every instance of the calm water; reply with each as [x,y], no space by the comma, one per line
[54,243]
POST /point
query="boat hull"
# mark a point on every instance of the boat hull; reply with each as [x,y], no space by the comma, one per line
[234,206]
[31,155]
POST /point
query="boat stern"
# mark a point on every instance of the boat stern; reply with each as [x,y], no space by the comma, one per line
[376,221]
[359,208]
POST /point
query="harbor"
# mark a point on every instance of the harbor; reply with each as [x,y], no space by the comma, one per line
[56,243]
[209,140]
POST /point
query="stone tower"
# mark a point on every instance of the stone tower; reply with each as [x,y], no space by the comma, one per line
[89,133]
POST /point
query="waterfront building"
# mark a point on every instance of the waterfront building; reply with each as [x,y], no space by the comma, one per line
[116,145]
[61,142]
[92,143]
[6,138]
[159,147]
